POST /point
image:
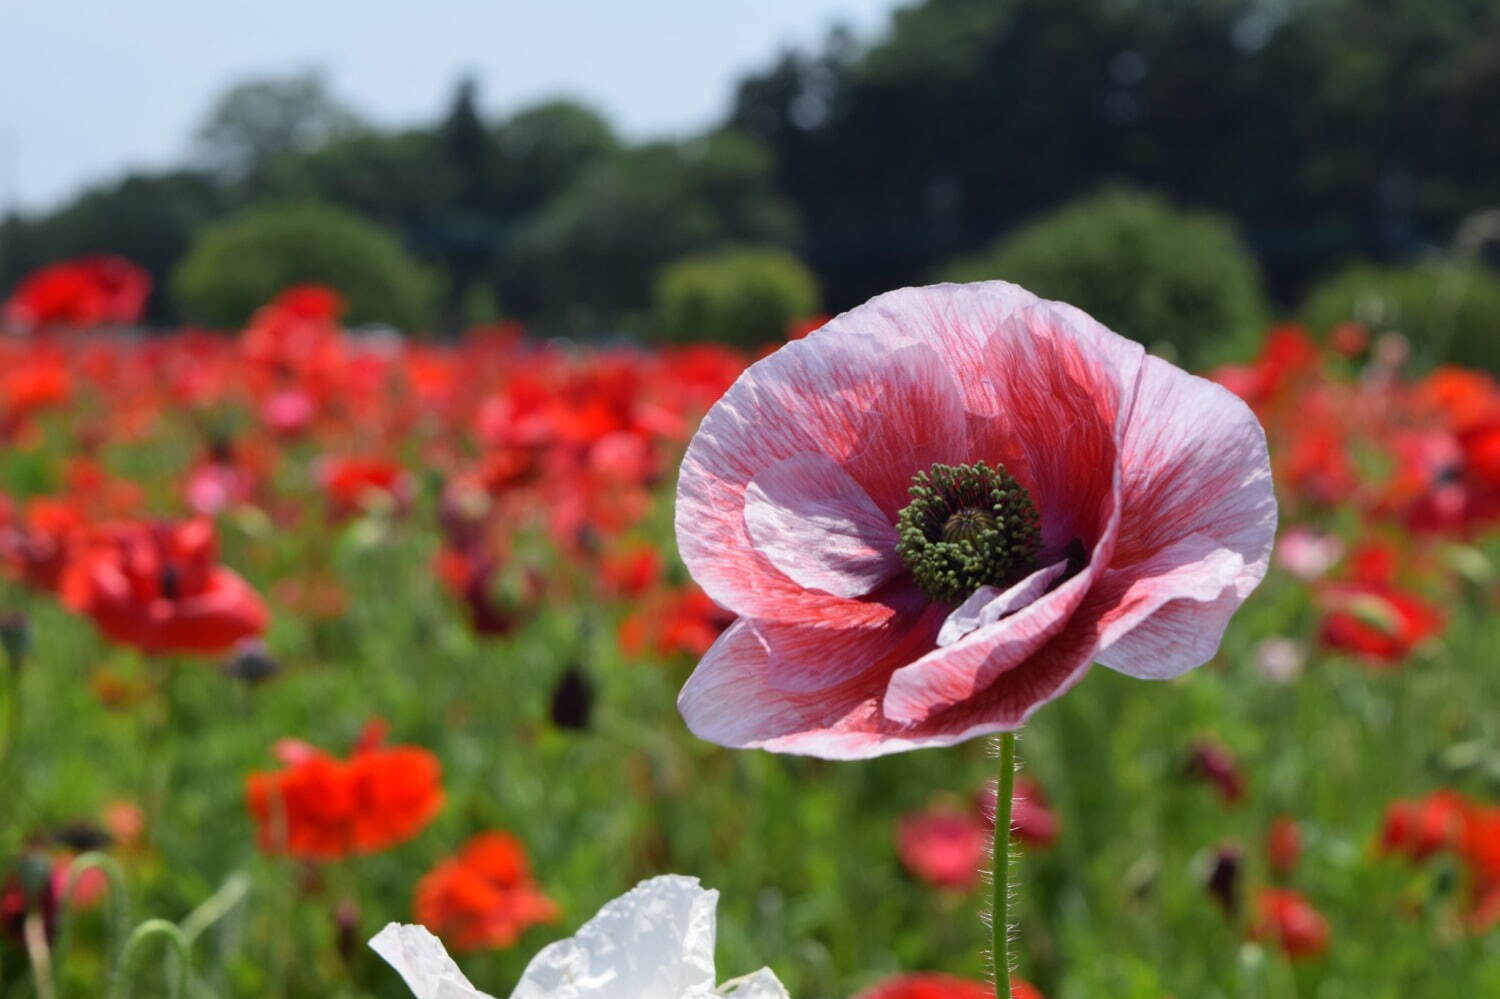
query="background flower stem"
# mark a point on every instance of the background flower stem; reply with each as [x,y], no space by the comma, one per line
[1000,910]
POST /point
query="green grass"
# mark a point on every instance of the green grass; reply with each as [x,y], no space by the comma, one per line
[802,850]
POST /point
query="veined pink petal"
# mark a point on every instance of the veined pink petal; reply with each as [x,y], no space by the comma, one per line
[956,319]
[990,603]
[728,701]
[1059,428]
[808,658]
[819,528]
[833,399]
[1197,487]
[1172,609]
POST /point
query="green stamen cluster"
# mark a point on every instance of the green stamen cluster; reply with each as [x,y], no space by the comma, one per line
[967,526]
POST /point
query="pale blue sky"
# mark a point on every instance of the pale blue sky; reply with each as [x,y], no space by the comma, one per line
[90,87]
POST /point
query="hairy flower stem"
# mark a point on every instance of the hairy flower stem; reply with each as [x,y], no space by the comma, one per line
[1000,909]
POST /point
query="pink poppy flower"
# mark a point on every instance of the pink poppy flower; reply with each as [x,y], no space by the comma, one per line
[943,846]
[934,513]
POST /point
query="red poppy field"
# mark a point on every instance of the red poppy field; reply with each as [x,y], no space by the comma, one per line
[308,630]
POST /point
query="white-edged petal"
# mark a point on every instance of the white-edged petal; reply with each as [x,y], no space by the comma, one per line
[423,963]
[763,984]
[989,604]
[656,940]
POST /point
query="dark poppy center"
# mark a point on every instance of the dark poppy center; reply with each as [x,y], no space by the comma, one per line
[967,526]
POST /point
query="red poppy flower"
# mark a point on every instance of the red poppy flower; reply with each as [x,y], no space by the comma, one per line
[357,485]
[674,622]
[1290,920]
[944,847]
[323,808]
[1376,621]
[81,292]
[34,547]
[1481,854]
[310,301]
[1283,844]
[935,986]
[630,572]
[1421,827]
[1287,355]
[159,588]
[484,896]
[32,384]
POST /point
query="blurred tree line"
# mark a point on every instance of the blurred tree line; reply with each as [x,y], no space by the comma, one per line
[1325,131]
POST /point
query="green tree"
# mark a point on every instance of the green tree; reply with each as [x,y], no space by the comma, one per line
[1168,278]
[589,259]
[1326,129]
[745,297]
[1449,311]
[237,265]
[255,122]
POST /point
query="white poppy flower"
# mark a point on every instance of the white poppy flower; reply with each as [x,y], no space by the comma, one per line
[654,942]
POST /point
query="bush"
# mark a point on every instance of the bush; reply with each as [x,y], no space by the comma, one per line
[1449,312]
[744,297]
[236,266]
[1171,279]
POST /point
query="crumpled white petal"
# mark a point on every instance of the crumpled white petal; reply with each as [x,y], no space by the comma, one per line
[763,984]
[654,942]
[423,963]
[989,604]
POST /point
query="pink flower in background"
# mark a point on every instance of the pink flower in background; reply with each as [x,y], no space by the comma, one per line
[1032,821]
[1308,553]
[934,513]
[945,847]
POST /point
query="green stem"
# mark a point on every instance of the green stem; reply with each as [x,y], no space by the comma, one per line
[80,866]
[12,715]
[230,894]
[1000,910]
[177,969]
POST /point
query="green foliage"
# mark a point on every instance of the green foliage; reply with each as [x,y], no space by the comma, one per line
[1327,130]
[591,256]
[1448,311]
[745,297]
[1168,278]
[256,121]
[239,264]
[803,851]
